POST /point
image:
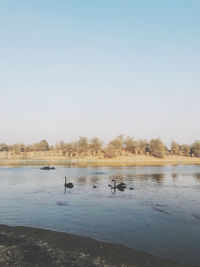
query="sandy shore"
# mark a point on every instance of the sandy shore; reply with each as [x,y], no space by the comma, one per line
[133,160]
[25,246]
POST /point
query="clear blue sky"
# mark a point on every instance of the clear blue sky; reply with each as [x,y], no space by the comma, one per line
[99,68]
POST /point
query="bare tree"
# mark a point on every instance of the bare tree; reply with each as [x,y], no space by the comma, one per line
[17,148]
[175,148]
[185,149]
[95,144]
[71,147]
[60,146]
[195,148]
[130,144]
[3,147]
[142,146]
[83,145]
[157,148]
[41,146]
[110,151]
[117,143]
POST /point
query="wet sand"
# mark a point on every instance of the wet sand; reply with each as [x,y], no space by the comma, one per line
[26,246]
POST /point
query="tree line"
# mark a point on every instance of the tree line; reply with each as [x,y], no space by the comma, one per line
[154,147]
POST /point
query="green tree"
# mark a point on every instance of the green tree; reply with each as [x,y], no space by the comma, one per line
[157,148]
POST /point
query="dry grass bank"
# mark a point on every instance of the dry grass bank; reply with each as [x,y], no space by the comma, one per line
[97,161]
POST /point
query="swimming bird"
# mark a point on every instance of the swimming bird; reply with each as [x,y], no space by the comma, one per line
[94,186]
[68,185]
[47,168]
[131,188]
[120,186]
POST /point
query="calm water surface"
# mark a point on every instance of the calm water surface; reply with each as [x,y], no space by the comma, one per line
[161,215]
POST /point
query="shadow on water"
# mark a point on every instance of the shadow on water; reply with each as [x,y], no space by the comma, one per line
[61,203]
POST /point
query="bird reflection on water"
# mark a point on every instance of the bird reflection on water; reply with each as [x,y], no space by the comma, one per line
[67,185]
[121,187]
[114,187]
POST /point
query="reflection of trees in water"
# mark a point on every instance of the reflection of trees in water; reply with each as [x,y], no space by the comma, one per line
[95,178]
[142,177]
[158,177]
[174,176]
[133,177]
[197,176]
[118,177]
[138,178]
[130,175]
[81,180]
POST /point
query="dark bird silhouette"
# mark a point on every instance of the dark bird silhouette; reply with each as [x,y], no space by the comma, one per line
[68,185]
[47,168]
[94,186]
[131,188]
[120,186]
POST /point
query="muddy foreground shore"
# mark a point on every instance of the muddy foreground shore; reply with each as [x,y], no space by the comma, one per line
[26,246]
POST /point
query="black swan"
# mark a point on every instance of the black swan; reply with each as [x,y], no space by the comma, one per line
[68,185]
[120,186]
[47,168]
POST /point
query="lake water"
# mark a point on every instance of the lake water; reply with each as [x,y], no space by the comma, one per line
[161,215]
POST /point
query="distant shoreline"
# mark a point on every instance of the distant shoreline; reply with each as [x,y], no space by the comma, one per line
[121,161]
